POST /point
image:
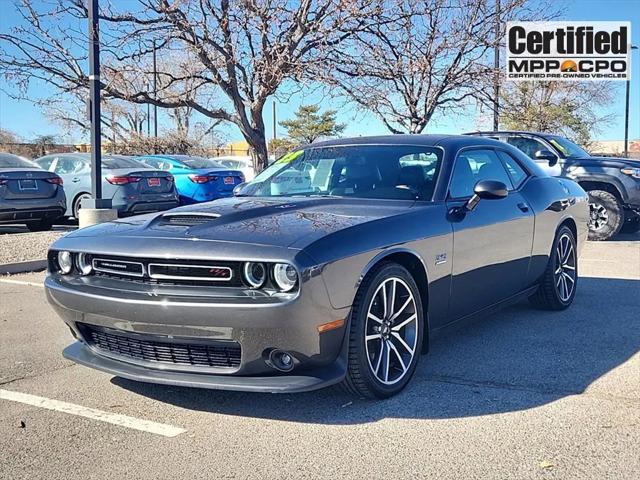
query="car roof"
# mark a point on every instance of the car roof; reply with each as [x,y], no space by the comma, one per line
[427,140]
[516,132]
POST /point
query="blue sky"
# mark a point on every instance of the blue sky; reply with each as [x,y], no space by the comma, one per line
[28,121]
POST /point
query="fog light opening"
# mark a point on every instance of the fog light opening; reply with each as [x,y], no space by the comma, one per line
[281,360]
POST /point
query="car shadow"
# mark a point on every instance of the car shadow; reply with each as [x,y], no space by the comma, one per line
[517,359]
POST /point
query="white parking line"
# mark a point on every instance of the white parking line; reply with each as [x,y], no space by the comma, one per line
[92,413]
[20,282]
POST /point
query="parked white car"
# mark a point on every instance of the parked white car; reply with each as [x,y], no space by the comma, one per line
[244,164]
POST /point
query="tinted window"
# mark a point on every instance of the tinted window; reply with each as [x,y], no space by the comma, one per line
[569,149]
[45,162]
[528,145]
[515,171]
[404,172]
[8,160]
[471,167]
[114,161]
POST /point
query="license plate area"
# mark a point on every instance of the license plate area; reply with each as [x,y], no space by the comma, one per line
[27,185]
[153,182]
[228,180]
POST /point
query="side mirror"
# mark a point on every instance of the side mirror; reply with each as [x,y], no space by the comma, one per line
[237,190]
[486,190]
[548,156]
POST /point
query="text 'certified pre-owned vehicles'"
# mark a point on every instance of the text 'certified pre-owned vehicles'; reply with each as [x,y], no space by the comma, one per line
[613,184]
[335,264]
[197,179]
[132,186]
[29,194]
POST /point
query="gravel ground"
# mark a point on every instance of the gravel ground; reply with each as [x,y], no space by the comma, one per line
[22,247]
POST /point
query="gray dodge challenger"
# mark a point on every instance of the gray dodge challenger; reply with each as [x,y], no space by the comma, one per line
[336,264]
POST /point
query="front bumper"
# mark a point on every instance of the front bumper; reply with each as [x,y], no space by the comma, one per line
[258,324]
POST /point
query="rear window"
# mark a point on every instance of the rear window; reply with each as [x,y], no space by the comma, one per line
[8,160]
[113,162]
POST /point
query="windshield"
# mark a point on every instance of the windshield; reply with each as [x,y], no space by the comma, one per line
[115,161]
[406,172]
[8,160]
[567,148]
[196,162]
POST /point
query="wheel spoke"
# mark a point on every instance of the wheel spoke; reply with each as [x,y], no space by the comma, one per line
[395,350]
[568,267]
[379,359]
[387,362]
[392,303]
[397,328]
[384,300]
[375,336]
[568,277]
[402,342]
[568,254]
[374,318]
[395,315]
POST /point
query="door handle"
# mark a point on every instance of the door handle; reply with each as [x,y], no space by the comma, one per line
[523,206]
[75,180]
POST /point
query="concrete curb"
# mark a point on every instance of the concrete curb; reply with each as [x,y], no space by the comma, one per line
[23,267]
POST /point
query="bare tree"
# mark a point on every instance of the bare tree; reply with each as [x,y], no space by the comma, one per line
[576,110]
[423,57]
[245,50]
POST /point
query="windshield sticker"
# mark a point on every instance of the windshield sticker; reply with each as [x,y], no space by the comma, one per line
[290,157]
[559,147]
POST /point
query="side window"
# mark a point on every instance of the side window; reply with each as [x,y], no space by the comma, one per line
[528,145]
[150,162]
[67,166]
[515,171]
[45,162]
[473,166]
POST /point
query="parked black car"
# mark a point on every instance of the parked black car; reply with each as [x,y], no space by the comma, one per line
[29,194]
[613,184]
[336,264]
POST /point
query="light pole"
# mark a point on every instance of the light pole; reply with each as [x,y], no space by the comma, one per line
[626,112]
[496,73]
[94,209]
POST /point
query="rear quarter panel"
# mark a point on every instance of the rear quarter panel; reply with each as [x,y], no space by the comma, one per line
[554,201]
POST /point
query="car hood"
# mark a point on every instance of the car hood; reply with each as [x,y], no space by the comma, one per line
[614,162]
[280,222]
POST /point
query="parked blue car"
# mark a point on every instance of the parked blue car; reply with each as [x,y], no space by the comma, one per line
[197,179]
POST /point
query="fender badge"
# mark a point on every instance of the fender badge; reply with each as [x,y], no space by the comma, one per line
[441,258]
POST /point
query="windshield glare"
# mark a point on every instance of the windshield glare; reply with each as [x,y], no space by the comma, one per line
[568,148]
[402,172]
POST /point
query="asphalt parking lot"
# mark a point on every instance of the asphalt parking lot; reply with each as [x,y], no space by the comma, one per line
[522,394]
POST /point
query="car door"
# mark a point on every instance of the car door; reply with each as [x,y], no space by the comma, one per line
[530,145]
[492,243]
[74,173]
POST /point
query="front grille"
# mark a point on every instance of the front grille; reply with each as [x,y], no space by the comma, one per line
[221,354]
[156,271]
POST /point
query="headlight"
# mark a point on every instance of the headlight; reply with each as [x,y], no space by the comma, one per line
[65,261]
[255,274]
[633,171]
[285,276]
[84,264]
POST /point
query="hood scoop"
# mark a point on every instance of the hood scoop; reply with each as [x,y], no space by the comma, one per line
[190,219]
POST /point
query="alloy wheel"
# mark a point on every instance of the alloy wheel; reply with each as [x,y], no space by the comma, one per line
[391,331]
[598,216]
[565,267]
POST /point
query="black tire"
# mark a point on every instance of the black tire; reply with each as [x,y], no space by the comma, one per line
[549,295]
[77,203]
[606,215]
[40,226]
[361,379]
[631,223]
